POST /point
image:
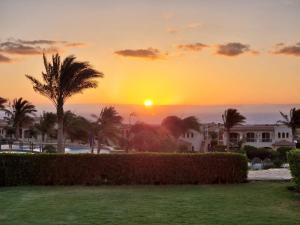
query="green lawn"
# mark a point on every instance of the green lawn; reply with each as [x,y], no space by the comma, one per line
[254,203]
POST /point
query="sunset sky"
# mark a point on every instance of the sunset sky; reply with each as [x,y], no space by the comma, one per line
[173,52]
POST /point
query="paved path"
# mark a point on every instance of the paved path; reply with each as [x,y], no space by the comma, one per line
[270,174]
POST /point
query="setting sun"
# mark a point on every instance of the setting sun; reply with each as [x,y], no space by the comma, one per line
[148,103]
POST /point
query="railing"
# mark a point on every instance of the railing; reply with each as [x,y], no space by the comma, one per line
[265,140]
[21,146]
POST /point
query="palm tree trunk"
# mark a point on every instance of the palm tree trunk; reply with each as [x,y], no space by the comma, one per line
[17,132]
[60,129]
[227,141]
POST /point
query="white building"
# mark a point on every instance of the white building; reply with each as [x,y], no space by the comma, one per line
[261,136]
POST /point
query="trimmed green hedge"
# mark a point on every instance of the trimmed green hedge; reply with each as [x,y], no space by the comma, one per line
[87,169]
[294,161]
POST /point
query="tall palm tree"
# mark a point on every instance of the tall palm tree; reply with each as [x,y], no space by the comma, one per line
[61,80]
[20,114]
[178,126]
[292,121]
[231,118]
[108,126]
[46,124]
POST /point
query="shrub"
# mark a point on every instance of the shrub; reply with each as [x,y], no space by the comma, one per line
[282,151]
[49,149]
[219,148]
[261,153]
[141,168]
[294,161]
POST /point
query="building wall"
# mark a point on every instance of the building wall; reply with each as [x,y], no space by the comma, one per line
[193,137]
[259,141]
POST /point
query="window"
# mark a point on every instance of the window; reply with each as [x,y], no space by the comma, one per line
[192,135]
[193,149]
[187,134]
[283,135]
[250,137]
[266,137]
[287,135]
[279,135]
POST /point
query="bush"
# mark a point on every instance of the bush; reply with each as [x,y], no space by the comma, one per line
[294,161]
[282,151]
[261,153]
[49,149]
[219,148]
[88,169]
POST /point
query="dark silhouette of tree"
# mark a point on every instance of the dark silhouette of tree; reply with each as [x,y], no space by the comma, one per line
[76,127]
[177,126]
[61,80]
[108,126]
[46,124]
[292,121]
[231,118]
[150,138]
[20,114]
[3,101]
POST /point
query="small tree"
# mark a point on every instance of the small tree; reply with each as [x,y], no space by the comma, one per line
[108,126]
[231,118]
[177,126]
[46,124]
[20,114]
[292,121]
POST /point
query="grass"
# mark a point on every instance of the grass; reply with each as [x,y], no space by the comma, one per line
[253,203]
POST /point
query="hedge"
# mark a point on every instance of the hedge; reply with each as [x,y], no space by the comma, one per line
[294,161]
[146,168]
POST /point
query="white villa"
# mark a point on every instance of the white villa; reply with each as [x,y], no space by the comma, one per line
[261,136]
[199,141]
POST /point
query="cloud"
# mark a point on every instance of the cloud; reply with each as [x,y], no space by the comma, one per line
[194,25]
[10,47]
[39,42]
[283,49]
[75,44]
[4,59]
[192,47]
[34,47]
[172,30]
[233,49]
[150,53]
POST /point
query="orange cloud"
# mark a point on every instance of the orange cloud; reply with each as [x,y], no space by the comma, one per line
[293,50]
[192,47]
[4,59]
[233,49]
[150,53]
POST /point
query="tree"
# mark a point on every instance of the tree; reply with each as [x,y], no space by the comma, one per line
[108,126]
[292,121]
[151,138]
[76,127]
[231,118]
[46,124]
[61,80]
[20,114]
[177,126]
[3,101]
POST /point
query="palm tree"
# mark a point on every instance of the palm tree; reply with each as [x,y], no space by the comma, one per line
[46,124]
[177,126]
[108,126]
[292,121]
[231,118]
[61,80]
[20,114]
